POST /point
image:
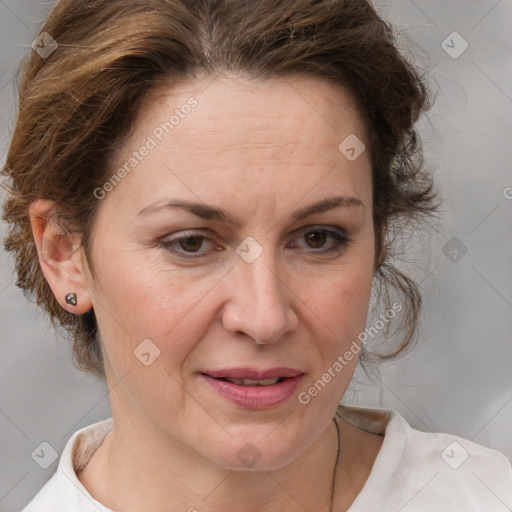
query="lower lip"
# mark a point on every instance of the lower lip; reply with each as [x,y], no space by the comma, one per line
[255,397]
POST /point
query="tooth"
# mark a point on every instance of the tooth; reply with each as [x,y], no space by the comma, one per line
[251,382]
[239,382]
[264,382]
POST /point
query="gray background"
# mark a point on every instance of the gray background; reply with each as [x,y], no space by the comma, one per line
[458,379]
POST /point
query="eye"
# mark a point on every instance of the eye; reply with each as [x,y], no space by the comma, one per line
[187,246]
[316,238]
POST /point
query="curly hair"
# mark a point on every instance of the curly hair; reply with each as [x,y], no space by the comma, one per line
[81,102]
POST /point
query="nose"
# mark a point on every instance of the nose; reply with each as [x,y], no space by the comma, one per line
[260,302]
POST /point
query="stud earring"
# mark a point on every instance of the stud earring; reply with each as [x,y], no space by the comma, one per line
[71,298]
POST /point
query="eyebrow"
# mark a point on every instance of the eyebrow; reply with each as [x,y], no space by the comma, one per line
[211,213]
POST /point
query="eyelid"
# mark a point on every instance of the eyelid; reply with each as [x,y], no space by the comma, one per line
[322,227]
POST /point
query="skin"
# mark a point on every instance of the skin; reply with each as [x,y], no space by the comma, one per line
[259,150]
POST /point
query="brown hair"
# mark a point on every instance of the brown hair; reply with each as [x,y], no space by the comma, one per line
[80,103]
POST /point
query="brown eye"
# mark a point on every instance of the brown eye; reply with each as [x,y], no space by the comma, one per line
[190,246]
[316,239]
[191,243]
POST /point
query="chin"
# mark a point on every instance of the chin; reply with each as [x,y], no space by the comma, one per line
[256,451]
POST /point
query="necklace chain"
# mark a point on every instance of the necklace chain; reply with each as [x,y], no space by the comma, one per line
[331,502]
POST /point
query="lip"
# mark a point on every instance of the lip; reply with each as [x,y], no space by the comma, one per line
[254,397]
[253,373]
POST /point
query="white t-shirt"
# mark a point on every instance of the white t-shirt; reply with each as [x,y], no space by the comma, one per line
[414,471]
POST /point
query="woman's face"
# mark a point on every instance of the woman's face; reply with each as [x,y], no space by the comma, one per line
[246,280]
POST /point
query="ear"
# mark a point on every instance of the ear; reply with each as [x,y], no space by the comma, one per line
[60,257]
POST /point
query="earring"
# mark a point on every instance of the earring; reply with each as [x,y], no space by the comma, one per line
[71,299]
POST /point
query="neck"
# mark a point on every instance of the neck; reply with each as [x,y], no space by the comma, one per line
[138,468]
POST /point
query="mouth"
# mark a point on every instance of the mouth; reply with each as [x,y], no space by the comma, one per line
[251,382]
[253,373]
[252,388]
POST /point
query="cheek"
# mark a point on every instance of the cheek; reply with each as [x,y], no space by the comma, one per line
[340,317]
[343,296]
[154,321]
[140,300]
[343,306]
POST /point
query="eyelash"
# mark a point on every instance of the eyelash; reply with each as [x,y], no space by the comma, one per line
[341,238]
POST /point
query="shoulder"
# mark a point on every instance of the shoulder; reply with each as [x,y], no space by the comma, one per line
[64,491]
[429,470]
[470,473]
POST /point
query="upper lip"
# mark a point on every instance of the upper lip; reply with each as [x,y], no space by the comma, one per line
[253,373]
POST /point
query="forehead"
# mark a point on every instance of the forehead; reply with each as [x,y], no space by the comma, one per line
[271,138]
[287,113]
